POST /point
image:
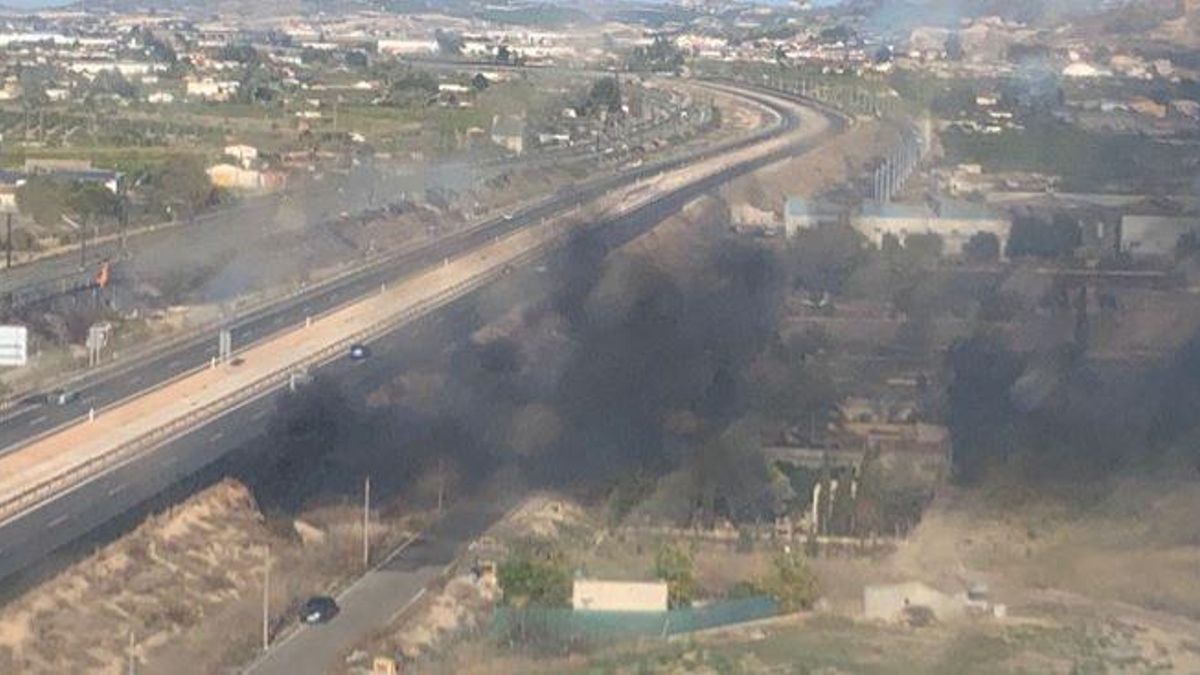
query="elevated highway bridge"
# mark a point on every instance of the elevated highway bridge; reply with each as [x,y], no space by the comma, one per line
[167,417]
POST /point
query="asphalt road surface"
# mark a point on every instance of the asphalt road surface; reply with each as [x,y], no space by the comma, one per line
[383,593]
[28,421]
[38,533]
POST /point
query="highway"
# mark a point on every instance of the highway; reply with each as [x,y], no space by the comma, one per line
[108,387]
[75,269]
[83,508]
[386,591]
[215,237]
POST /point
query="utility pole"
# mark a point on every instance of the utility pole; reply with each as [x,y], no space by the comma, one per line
[266,599]
[83,244]
[124,220]
[132,655]
[441,483]
[367,522]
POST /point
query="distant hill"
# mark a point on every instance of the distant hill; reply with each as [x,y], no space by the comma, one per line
[900,15]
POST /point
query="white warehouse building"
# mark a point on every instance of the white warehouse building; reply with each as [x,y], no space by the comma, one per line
[954,222]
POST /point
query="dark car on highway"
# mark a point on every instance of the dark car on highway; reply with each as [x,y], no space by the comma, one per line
[318,609]
[63,397]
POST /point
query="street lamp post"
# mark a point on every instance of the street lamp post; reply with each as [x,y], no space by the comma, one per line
[366,541]
[266,599]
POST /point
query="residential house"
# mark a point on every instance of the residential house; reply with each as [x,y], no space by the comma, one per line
[508,131]
[235,177]
[398,46]
[10,182]
[243,153]
[74,171]
[211,90]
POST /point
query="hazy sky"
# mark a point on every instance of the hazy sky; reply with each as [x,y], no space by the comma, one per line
[33,4]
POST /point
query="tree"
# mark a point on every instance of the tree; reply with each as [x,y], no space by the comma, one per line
[357,59]
[43,200]
[536,573]
[92,200]
[954,47]
[408,85]
[1187,245]
[503,54]
[180,183]
[825,257]
[243,54]
[925,247]
[113,82]
[449,43]
[869,516]
[786,387]
[255,85]
[605,94]
[311,56]
[792,583]
[1033,237]
[659,55]
[156,47]
[674,565]
[981,415]
[982,247]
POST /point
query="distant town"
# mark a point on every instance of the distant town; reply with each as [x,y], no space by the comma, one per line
[704,336]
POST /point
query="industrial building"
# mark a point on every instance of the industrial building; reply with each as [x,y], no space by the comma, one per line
[804,214]
[954,222]
[1146,236]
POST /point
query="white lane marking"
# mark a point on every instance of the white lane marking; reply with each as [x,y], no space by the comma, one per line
[217,436]
[175,364]
[259,415]
[37,420]
[58,521]
[169,460]
[117,489]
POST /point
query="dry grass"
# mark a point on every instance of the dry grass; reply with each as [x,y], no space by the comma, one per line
[194,571]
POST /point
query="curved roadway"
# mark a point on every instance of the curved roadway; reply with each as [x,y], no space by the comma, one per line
[71,514]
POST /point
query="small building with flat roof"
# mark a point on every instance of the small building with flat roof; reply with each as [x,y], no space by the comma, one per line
[596,595]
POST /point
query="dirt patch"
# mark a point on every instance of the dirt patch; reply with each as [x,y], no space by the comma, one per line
[194,571]
[161,580]
[838,160]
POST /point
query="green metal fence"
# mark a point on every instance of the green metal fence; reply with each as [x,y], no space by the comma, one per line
[565,626]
